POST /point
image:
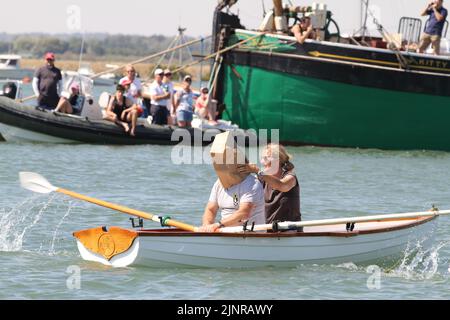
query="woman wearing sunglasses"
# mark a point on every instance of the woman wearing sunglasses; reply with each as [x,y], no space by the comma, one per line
[281,186]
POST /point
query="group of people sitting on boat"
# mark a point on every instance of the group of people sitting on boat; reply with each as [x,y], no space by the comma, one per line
[131,99]
[273,195]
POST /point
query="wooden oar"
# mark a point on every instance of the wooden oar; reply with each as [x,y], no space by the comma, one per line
[37,183]
[327,222]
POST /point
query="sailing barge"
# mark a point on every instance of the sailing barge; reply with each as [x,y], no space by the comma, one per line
[331,92]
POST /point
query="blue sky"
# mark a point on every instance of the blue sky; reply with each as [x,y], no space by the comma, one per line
[146,17]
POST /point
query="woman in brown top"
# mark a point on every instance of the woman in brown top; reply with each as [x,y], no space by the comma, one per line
[281,187]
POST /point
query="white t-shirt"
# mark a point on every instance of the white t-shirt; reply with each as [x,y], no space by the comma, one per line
[135,87]
[170,88]
[248,191]
[156,89]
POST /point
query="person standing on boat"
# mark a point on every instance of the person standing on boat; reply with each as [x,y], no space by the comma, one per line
[304,30]
[184,104]
[168,86]
[121,111]
[47,83]
[159,97]
[281,186]
[433,32]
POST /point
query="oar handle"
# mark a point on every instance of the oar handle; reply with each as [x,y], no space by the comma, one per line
[133,212]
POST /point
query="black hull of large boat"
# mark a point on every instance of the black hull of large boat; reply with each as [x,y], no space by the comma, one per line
[83,130]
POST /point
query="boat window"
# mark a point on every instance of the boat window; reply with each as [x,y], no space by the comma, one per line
[13,62]
[3,61]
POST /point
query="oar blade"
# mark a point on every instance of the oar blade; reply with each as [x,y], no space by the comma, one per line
[35,182]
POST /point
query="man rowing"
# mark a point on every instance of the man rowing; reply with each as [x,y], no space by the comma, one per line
[239,197]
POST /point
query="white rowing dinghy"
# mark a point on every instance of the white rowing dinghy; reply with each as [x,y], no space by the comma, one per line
[331,244]
[327,241]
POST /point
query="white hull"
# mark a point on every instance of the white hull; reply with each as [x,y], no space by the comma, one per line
[20,135]
[238,251]
[104,82]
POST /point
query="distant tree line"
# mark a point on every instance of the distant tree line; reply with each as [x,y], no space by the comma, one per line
[95,45]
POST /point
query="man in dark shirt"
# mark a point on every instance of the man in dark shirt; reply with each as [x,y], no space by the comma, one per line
[433,31]
[47,83]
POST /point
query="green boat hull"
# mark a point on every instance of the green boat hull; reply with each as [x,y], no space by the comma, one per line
[310,111]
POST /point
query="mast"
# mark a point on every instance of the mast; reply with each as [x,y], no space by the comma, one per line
[280,20]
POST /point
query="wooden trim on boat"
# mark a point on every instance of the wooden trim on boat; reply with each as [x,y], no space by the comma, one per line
[335,61]
[285,234]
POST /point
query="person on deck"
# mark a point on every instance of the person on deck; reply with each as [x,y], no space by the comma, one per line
[184,104]
[168,86]
[69,101]
[127,84]
[121,111]
[47,83]
[239,203]
[304,30]
[159,97]
[135,90]
[433,32]
[281,186]
[201,105]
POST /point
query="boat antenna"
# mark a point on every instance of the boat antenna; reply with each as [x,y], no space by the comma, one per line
[264,8]
[82,50]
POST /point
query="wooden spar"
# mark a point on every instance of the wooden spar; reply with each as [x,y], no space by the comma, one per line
[151,56]
[218,52]
[278,7]
[279,19]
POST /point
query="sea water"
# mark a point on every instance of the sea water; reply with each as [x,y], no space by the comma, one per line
[39,258]
[38,254]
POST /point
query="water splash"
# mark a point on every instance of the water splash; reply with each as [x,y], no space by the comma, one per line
[52,248]
[15,223]
[420,262]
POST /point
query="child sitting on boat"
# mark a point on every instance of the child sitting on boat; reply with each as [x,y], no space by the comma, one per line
[71,101]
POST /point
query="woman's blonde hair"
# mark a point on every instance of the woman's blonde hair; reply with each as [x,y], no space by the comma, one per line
[277,151]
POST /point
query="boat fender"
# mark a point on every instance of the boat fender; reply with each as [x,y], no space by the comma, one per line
[350,226]
[253,226]
[244,226]
[163,221]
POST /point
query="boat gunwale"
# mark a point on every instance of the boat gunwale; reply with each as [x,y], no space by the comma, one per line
[336,61]
[286,234]
[347,46]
